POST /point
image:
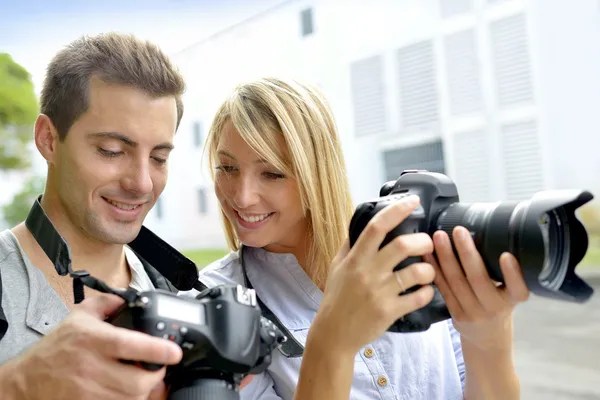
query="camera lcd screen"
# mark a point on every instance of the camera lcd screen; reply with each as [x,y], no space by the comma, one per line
[178,309]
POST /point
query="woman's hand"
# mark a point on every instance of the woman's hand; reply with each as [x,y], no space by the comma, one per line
[361,298]
[481,309]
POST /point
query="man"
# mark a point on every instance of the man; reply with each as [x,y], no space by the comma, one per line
[110,108]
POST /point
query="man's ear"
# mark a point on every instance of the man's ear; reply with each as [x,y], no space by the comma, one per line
[46,137]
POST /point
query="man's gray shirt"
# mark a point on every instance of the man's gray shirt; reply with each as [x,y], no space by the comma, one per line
[31,305]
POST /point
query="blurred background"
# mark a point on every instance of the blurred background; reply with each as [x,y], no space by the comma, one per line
[501,95]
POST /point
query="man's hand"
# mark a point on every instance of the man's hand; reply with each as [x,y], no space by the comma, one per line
[80,360]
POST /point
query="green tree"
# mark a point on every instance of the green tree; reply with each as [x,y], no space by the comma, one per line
[16,211]
[18,110]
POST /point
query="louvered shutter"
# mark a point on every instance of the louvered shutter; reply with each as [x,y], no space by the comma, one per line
[472,165]
[449,8]
[462,70]
[522,160]
[418,85]
[368,96]
[428,156]
[510,51]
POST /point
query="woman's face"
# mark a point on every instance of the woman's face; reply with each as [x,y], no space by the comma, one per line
[262,204]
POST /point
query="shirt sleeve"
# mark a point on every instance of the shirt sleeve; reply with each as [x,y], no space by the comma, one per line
[458,354]
[261,387]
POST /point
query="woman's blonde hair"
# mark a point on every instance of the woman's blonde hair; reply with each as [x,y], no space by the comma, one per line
[263,109]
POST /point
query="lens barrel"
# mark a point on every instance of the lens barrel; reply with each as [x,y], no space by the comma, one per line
[543,233]
[205,388]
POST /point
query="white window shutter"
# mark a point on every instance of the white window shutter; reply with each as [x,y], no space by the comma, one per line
[368,96]
[419,105]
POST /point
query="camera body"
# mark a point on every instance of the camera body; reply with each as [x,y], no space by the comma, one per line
[543,233]
[436,192]
[221,332]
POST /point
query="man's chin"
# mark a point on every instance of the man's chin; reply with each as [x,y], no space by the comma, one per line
[122,233]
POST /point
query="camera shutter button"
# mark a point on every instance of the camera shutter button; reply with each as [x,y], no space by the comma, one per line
[160,326]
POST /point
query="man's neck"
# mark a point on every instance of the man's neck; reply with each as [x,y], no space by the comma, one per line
[102,260]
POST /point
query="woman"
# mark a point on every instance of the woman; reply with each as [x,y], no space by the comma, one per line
[281,183]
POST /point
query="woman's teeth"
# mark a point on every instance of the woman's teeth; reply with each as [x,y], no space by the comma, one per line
[253,218]
[123,206]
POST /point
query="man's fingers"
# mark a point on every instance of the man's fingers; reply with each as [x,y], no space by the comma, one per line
[100,305]
[247,379]
[159,392]
[132,381]
[131,345]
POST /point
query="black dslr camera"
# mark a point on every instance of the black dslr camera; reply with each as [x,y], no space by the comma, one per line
[221,332]
[543,233]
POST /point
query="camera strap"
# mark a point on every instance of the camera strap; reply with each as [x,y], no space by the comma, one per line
[58,251]
[290,348]
[3,320]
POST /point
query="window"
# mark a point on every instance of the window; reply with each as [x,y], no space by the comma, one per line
[202,206]
[158,208]
[418,85]
[522,159]
[472,173]
[427,156]
[306,22]
[462,72]
[450,8]
[366,79]
[197,131]
[510,49]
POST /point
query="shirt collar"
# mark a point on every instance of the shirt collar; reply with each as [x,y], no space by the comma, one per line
[283,286]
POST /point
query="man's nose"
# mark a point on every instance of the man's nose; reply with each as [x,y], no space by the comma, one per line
[138,179]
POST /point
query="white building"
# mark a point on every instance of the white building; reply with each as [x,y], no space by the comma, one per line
[501,95]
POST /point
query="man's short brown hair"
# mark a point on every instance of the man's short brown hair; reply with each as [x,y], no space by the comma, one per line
[114,58]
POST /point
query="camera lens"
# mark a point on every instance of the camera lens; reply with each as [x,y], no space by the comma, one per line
[543,233]
[205,388]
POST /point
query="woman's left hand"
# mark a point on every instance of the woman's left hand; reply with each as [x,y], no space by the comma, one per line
[481,309]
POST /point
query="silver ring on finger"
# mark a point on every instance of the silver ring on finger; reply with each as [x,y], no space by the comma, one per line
[399,280]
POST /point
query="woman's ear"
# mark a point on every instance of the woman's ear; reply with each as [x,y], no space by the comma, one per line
[46,137]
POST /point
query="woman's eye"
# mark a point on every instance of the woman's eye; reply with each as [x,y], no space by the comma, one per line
[274,175]
[226,168]
[109,153]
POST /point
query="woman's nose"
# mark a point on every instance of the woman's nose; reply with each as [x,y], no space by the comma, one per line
[246,193]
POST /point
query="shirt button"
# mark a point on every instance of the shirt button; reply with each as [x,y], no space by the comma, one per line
[382,381]
[369,353]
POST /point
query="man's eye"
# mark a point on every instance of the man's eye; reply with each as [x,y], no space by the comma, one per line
[109,153]
[159,160]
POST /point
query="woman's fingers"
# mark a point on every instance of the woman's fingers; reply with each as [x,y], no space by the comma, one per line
[370,239]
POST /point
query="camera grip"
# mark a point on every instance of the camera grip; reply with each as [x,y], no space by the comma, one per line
[144,365]
[419,320]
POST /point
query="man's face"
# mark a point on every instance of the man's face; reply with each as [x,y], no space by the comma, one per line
[109,171]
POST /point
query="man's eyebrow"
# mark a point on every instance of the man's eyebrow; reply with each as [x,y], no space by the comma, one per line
[123,138]
[259,161]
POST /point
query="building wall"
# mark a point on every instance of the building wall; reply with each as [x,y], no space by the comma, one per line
[490,92]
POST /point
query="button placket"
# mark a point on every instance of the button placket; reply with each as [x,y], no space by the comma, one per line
[379,374]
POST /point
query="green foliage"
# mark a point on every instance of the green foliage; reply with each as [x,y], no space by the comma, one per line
[18,110]
[16,211]
[203,257]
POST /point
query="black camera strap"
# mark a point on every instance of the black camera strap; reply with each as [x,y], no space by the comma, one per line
[290,348]
[3,320]
[58,251]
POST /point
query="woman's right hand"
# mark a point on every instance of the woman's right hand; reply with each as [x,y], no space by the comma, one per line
[361,298]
